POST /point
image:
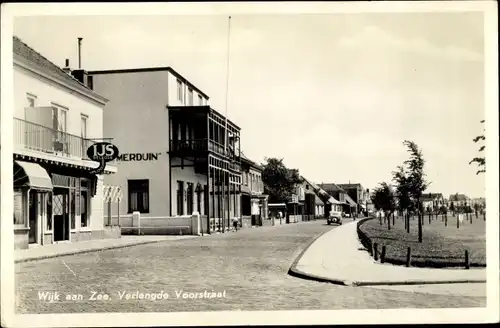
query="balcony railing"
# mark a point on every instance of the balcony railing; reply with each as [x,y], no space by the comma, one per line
[189,147]
[29,135]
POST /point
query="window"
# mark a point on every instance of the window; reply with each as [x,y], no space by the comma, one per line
[179,91]
[200,100]
[138,196]
[59,119]
[84,120]
[49,212]
[90,82]
[180,197]
[189,198]
[19,218]
[190,97]
[198,198]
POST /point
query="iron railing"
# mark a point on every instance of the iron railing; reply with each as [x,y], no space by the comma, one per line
[33,136]
[190,146]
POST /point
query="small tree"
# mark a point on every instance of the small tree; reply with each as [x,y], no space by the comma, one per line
[416,179]
[383,198]
[279,181]
[481,161]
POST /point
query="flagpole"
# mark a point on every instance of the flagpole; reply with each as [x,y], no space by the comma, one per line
[225,125]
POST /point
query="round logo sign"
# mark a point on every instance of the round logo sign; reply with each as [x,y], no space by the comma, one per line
[103,152]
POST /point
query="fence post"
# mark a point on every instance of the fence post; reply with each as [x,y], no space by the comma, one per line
[375,252]
[458,221]
[467,261]
[393,219]
[408,257]
[430,216]
[446,220]
[382,255]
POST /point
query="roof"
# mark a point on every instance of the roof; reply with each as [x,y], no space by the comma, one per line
[349,200]
[431,196]
[24,53]
[151,69]
[350,185]
[330,187]
[244,158]
[458,197]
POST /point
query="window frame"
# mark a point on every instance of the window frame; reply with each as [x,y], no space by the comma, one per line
[180,95]
[190,97]
[131,188]
[180,198]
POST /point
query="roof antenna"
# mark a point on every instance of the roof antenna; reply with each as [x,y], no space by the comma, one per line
[80,53]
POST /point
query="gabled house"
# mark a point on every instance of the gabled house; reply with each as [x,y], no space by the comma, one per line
[357,193]
[334,190]
[432,201]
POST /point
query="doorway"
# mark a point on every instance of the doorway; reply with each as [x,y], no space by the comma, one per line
[60,209]
[33,215]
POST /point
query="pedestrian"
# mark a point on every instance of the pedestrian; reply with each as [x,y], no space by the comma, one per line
[235,223]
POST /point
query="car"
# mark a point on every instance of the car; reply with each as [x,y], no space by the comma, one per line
[334,218]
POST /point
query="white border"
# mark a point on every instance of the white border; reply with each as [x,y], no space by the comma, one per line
[400,316]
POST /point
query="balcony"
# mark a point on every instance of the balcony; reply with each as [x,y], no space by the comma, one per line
[33,136]
[197,147]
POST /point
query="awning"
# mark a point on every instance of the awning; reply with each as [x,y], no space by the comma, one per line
[350,201]
[31,175]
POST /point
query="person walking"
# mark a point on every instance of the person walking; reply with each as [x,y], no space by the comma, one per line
[235,223]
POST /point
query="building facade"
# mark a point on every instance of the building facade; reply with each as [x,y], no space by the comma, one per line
[57,198]
[175,156]
[254,203]
[432,201]
[358,195]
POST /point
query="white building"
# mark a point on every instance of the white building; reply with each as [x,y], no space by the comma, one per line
[56,197]
[173,157]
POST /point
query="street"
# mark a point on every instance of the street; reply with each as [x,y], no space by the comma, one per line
[244,270]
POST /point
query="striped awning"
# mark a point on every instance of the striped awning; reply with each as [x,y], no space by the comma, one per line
[31,175]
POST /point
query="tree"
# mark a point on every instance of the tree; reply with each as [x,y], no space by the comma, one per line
[452,208]
[279,181]
[416,179]
[383,198]
[402,192]
[481,161]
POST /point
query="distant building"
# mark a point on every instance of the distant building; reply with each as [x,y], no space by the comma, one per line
[458,199]
[432,201]
[357,193]
[254,203]
[340,194]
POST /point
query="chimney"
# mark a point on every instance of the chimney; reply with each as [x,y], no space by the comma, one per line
[66,68]
[80,53]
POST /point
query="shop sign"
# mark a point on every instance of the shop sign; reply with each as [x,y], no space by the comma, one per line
[102,152]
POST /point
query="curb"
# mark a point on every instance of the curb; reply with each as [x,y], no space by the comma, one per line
[417,282]
[93,250]
[294,272]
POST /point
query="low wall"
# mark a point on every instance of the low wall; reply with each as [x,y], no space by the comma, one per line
[21,240]
[363,238]
[167,225]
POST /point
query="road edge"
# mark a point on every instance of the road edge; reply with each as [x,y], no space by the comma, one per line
[294,272]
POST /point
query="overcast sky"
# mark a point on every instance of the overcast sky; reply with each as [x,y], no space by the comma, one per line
[334,95]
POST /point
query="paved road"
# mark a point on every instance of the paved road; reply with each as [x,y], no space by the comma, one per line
[250,266]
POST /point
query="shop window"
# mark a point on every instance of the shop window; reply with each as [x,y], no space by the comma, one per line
[19,217]
[138,196]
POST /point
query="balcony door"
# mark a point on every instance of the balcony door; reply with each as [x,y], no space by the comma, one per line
[59,125]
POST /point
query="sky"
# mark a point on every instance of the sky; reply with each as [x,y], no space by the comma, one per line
[334,95]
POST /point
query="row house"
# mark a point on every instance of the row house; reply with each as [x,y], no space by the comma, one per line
[357,194]
[313,205]
[254,203]
[347,203]
[178,154]
[56,118]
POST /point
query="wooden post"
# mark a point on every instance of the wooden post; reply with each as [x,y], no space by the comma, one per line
[388,222]
[430,218]
[408,223]
[420,224]
[382,255]
[375,251]
[467,261]
[408,257]
[458,221]
[393,219]
[446,221]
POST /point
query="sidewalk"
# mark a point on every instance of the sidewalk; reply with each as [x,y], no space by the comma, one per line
[337,256]
[63,249]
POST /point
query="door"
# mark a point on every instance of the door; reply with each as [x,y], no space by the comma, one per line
[33,224]
[60,208]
